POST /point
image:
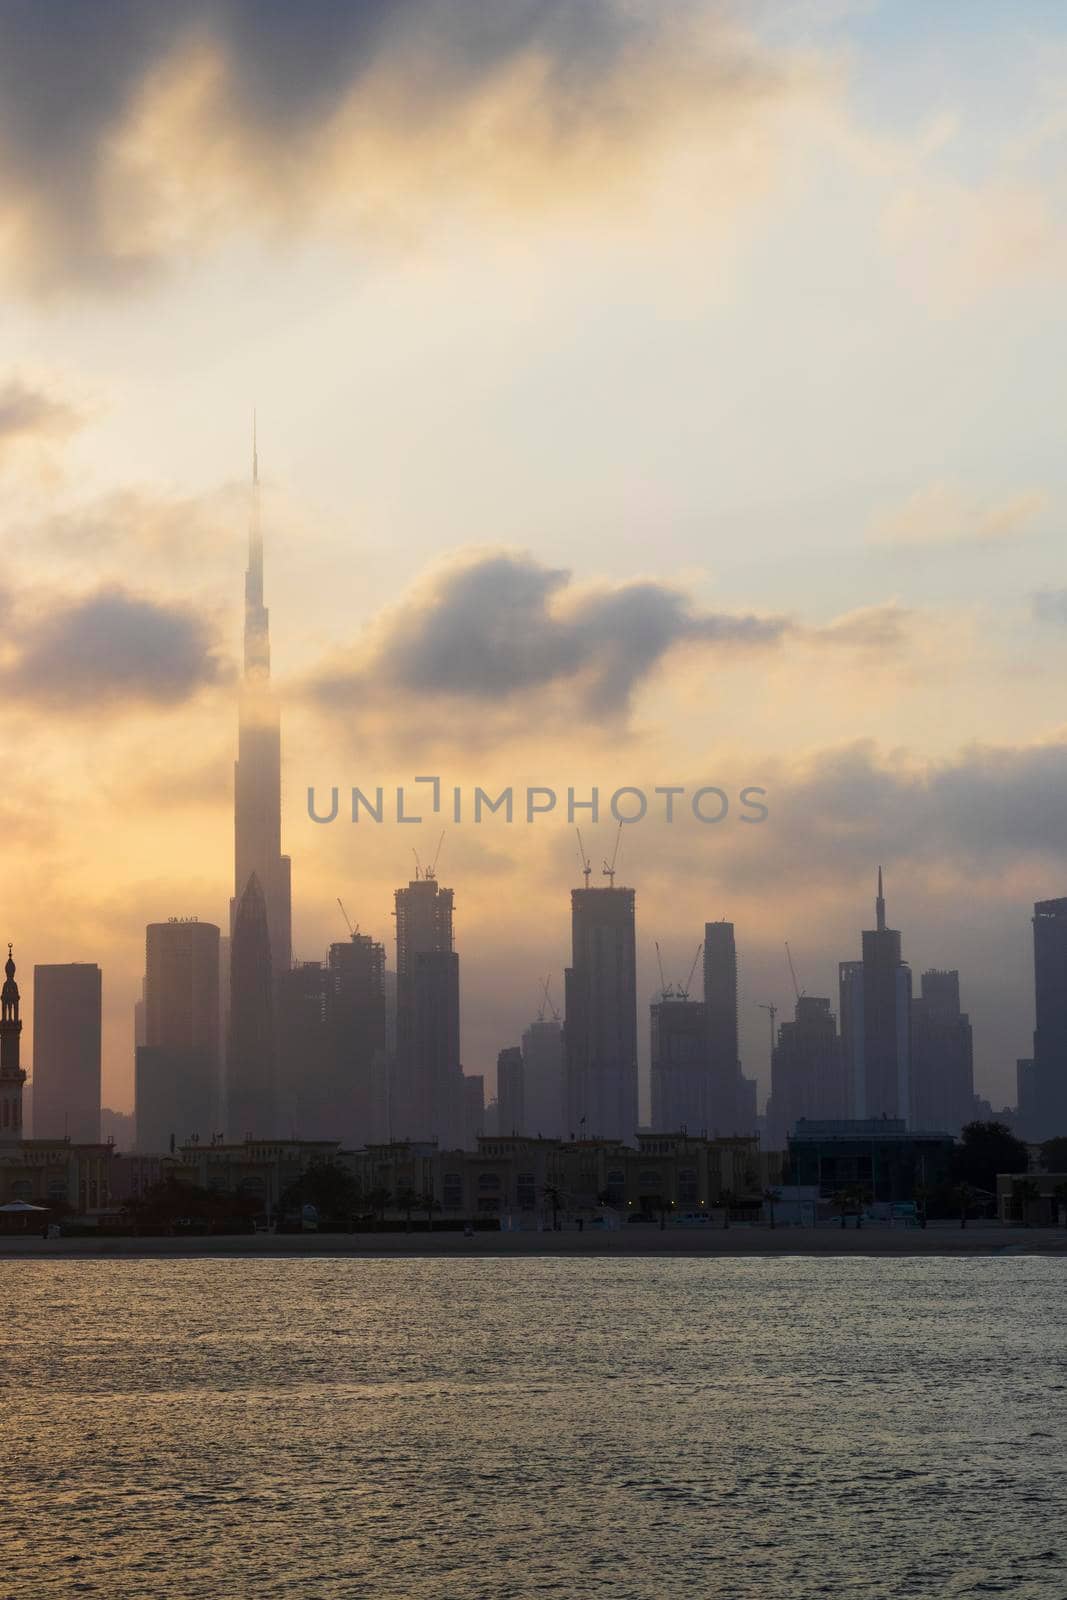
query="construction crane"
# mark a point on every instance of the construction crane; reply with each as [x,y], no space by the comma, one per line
[609,867]
[583,858]
[666,990]
[546,1000]
[797,990]
[431,870]
[418,869]
[348,919]
[683,990]
[772,1012]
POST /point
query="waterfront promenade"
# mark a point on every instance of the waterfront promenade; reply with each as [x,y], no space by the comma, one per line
[939,1239]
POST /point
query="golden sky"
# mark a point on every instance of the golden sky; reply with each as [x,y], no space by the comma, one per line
[661,394]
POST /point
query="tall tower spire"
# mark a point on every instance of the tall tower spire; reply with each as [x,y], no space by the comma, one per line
[257,617]
[257,815]
[879,905]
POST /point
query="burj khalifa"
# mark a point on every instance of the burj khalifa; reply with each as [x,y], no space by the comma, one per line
[261,909]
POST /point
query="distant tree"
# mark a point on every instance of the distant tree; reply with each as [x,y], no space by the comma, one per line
[429,1203]
[862,1197]
[327,1186]
[843,1203]
[407,1199]
[922,1194]
[965,1197]
[772,1197]
[1024,1194]
[378,1199]
[1054,1154]
[726,1200]
[986,1148]
[557,1200]
[1059,1194]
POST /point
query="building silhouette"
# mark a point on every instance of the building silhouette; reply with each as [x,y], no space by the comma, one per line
[510,1091]
[177,1085]
[942,1056]
[731,1096]
[680,1074]
[1049,1077]
[357,1028]
[473,1109]
[876,1023]
[542,1060]
[257,821]
[600,1026]
[251,1082]
[66,1051]
[427,1099]
[807,1071]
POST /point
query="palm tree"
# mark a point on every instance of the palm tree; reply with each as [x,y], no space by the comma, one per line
[429,1205]
[841,1200]
[378,1199]
[863,1197]
[922,1195]
[965,1197]
[1024,1192]
[556,1199]
[406,1200]
[772,1196]
[727,1199]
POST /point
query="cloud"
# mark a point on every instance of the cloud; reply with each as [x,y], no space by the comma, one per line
[500,629]
[983,812]
[106,651]
[131,129]
[877,627]
[32,414]
[1050,605]
[944,514]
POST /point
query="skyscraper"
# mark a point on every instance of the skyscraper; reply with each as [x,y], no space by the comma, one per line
[356,1022]
[729,1096]
[12,1076]
[251,1084]
[542,1059]
[510,1091]
[256,844]
[807,1071]
[427,1093]
[257,772]
[680,1076]
[473,1109]
[177,1085]
[600,1024]
[942,1057]
[66,1051]
[1050,1032]
[876,1023]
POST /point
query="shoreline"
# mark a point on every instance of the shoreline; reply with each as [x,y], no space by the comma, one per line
[936,1240]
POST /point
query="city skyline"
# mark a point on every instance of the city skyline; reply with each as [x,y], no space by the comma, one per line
[801,529]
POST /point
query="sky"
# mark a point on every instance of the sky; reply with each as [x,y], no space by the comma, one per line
[648,394]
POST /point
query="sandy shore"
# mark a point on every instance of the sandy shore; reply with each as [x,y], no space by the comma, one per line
[936,1240]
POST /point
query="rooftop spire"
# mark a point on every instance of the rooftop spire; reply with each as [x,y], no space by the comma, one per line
[257,644]
[879,905]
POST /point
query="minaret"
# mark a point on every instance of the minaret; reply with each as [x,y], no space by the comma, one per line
[12,1077]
